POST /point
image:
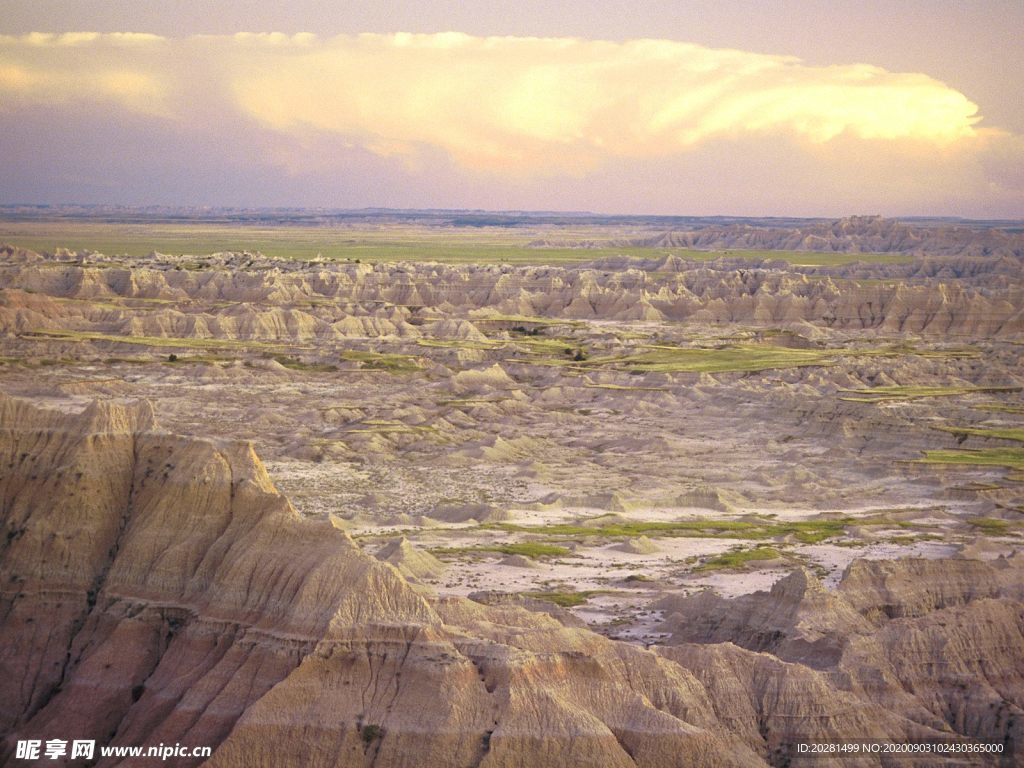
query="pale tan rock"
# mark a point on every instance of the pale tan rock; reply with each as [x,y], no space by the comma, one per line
[413,563]
[641,545]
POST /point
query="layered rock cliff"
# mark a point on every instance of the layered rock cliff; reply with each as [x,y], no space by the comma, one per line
[941,641]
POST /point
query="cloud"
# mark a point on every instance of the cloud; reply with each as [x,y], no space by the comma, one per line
[511,122]
[84,67]
[509,106]
[531,105]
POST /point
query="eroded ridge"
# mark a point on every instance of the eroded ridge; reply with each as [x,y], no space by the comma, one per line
[246,296]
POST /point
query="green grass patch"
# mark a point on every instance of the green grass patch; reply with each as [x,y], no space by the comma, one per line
[907,540]
[1012,458]
[379,361]
[186,359]
[402,242]
[137,360]
[1015,434]
[1001,408]
[990,525]
[172,342]
[529,323]
[540,345]
[977,487]
[532,549]
[632,529]
[933,354]
[564,599]
[732,359]
[804,531]
[739,558]
[814,531]
[623,387]
[887,394]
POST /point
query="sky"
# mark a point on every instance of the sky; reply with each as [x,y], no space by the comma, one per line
[735,107]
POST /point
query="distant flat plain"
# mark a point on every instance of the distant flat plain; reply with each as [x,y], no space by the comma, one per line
[384,243]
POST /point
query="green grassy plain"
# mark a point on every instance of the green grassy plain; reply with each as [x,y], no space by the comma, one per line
[491,245]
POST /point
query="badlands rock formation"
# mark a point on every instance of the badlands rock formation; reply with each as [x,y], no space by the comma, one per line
[159,589]
[857,234]
[686,509]
[942,641]
[310,302]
